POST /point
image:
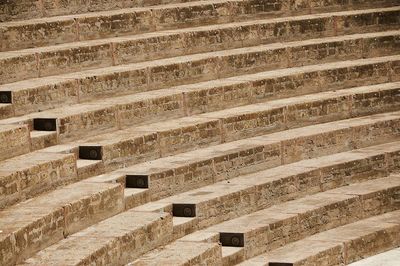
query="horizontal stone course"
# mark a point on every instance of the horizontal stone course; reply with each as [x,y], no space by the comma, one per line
[250,120]
[14,141]
[58,30]
[78,56]
[28,175]
[342,245]
[18,10]
[152,75]
[114,241]
[281,224]
[226,200]
[33,225]
[179,253]
[136,144]
[187,171]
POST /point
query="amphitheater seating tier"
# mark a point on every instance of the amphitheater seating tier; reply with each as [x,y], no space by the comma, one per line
[214,132]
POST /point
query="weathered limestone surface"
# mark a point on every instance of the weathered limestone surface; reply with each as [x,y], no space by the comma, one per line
[181,132]
[187,171]
[178,253]
[115,241]
[14,141]
[388,258]
[341,245]
[77,56]
[33,225]
[163,73]
[58,30]
[28,175]
[287,222]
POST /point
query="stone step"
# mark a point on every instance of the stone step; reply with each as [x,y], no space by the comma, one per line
[31,174]
[6,109]
[19,10]
[147,142]
[114,241]
[63,29]
[83,120]
[340,246]
[111,81]
[14,140]
[287,222]
[42,221]
[43,139]
[178,253]
[388,258]
[78,56]
[245,194]
[230,92]
[187,171]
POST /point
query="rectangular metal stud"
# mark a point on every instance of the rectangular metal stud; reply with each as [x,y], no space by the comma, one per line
[137,181]
[280,264]
[232,239]
[45,124]
[184,210]
[90,152]
[5,97]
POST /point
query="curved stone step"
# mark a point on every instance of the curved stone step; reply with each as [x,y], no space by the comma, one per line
[284,223]
[37,223]
[21,9]
[82,120]
[178,253]
[31,174]
[63,29]
[245,194]
[164,73]
[388,258]
[78,56]
[114,241]
[151,141]
[14,141]
[342,245]
[183,172]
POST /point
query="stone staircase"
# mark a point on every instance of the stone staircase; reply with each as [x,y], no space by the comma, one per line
[251,132]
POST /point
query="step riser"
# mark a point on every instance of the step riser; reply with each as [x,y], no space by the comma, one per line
[266,195]
[367,246]
[41,64]
[25,183]
[119,240]
[171,181]
[158,76]
[339,246]
[163,143]
[110,119]
[291,230]
[70,29]
[22,9]
[197,101]
[45,231]
[14,141]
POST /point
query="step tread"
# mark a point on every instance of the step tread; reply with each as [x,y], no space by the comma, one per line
[388,258]
[99,42]
[288,209]
[92,240]
[178,253]
[324,241]
[115,12]
[23,213]
[199,155]
[202,56]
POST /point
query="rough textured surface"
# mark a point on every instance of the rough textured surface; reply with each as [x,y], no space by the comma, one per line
[145,132]
[116,240]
